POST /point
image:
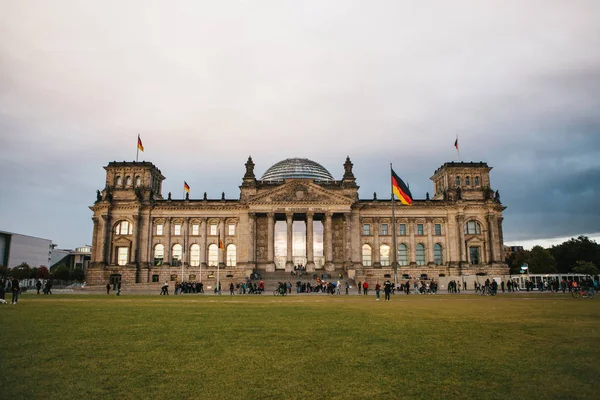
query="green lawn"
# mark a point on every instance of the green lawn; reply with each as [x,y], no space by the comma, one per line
[300,347]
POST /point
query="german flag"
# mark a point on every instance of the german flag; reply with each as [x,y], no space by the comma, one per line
[186,187]
[400,189]
[140,145]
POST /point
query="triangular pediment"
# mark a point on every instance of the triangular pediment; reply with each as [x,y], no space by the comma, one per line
[300,191]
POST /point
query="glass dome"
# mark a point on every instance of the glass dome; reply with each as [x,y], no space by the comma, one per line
[297,168]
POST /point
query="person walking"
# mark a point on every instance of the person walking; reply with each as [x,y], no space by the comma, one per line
[365,288]
[16,289]
[107,287]
[387,289]
[377,289]
[38,285]
[164,290]
[119,288]
[359,286]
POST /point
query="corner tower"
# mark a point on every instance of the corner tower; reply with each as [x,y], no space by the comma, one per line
[462,180]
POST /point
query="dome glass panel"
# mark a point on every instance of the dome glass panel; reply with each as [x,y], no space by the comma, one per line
[298,168]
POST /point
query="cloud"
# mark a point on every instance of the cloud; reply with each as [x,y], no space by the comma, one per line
[208,83]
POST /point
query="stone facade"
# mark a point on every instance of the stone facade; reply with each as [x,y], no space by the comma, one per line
[140,237]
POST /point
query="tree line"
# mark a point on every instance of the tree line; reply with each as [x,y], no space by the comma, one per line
[60,272]
[580,256]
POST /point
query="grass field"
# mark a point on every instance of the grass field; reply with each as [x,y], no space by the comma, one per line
[264,347]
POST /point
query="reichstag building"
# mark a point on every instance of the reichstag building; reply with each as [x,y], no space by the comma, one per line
[296,214]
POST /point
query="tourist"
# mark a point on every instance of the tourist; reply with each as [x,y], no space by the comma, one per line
[119,288]
[164,290]
[365,288]
[15,290]
[107,287]
[377,289]
[38,285]
[387,289]
[359,286]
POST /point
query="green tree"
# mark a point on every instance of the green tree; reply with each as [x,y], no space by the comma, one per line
[541,261]
[42,272]
[77,274]
[21,271]
[581,249]
[515,260]
[61,272]
[586,268]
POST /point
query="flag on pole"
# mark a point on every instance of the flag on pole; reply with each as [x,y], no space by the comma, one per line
[456,142]
[221,247]
[140,145]
[186,187]
[400,189]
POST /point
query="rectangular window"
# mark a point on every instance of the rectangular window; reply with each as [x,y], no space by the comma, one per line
[402,229]
[122,255]
[366,229]
[154,278]
[384,229]
[474,255]
[213,230]
[420,229]
[159,229]
[195,229]
[231,229]
[438,229]
[177,229]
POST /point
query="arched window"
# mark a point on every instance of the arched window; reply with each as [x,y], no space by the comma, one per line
[118,181]
[231,255]
[384,254]
[467,181]
[420,254]
[402,254]
[213,255]
[159,254]
[138,181]
[123,228]
[128,181]
[472,228]
[366,255]
[194,255]
[438,254]
[458,181]
[476,181]
[176,254]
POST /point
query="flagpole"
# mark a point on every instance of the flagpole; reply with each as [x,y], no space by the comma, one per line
[137,146]
[395,247]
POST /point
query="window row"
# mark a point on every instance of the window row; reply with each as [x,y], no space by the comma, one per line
[128,181]
[402,257]
[468,181]
[213,229]
[402,231]
[213,255]
[126,228]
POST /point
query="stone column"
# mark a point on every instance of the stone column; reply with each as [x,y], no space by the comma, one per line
[356,242]
[347,239]
[289,264]
[460,225]
[310,251]
[106,247]
[167,232]
[203,243]
[376,244]
[413,246]
[252,241]
[221,237]
[95,242]
[328,239]
[186,241]
[429,227]
[270,242]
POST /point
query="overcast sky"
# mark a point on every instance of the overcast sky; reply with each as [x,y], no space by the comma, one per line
[207,83]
